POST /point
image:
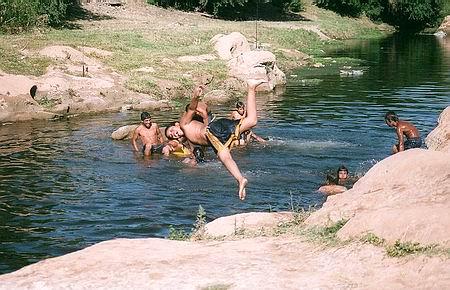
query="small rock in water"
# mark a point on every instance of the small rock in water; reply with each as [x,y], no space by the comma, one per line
[355,72]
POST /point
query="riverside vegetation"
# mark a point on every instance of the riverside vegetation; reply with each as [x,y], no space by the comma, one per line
[300,38]
[135,44]
[325,236]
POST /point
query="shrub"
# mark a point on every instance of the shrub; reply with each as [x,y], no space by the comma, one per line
[237,9]
[19,15]
[404,14]
[414,14]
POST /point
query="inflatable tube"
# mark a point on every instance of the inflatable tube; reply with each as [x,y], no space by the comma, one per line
[332,189]
[181,152]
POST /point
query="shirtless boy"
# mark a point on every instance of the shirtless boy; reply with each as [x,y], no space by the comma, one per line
[248,135]
[338,184]
[149,134]
[220,133]
[403,129]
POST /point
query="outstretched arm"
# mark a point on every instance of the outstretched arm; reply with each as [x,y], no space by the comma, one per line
[159,134]
[134,138]
[191,109]
[401,145]
[202,110]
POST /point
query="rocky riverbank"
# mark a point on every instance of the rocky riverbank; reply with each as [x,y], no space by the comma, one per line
[389,231]
[141,57]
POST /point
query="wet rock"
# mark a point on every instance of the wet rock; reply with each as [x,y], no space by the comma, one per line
[124,132]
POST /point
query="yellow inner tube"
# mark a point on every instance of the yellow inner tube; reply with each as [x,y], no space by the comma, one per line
[181,152]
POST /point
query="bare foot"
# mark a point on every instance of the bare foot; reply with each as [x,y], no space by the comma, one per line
[253,83]
[242,185]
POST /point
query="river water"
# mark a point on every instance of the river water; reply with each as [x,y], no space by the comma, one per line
[65,185]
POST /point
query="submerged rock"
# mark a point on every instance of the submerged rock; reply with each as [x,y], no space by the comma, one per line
[354,72]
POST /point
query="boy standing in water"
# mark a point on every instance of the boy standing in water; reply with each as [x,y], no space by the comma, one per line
[220,133]
[149,134]
[403,128]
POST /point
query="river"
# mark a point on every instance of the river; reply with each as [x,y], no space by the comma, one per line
[65,185]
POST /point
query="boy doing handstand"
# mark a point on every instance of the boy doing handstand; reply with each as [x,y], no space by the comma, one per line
[220,133]
[149,134]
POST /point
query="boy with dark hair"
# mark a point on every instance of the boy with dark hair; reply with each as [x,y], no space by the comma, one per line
[341,183]
[248,135]
[149,134]
[403,129]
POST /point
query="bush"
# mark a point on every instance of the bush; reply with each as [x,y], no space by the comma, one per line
[18,15]
[237,9]
[404,14]
[414,14]
[343,7]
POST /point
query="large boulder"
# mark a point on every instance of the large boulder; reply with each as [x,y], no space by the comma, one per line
[252,221]
[439,138]
[284,262]
[244,63]
[124,132]
[230,45]
[403,197]
[257,64]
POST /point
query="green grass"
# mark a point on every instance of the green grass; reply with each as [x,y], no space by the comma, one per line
[11,61]
[372,239]
[401,249]
[159,47]
[405,248]
[217,287]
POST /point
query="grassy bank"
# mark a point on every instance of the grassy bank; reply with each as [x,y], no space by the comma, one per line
[156,38]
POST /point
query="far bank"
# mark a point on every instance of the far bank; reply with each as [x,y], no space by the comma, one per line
[150,58]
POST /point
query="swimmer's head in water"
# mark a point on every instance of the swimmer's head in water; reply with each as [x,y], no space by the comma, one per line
[342,172]
[240,108]
[390,118]
[173,131]
[199,154]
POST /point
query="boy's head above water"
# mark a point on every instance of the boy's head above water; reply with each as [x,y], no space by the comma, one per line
[146,119]
[240,108]
[391,119]
[173,131]
[342,172]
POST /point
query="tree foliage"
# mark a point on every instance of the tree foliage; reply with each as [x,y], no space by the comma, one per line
[237,9]
[18,15]
[404,14]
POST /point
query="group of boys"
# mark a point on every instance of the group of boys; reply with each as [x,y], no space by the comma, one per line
[197,129]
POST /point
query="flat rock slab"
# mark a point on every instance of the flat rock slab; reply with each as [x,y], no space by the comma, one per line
[261,263]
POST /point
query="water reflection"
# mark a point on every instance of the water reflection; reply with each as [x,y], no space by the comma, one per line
[65,185]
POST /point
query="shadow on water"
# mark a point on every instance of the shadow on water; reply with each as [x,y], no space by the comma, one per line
[65,185]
